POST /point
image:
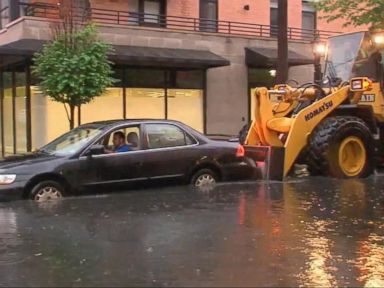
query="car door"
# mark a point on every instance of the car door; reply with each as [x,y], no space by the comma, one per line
[170,151]
[115,168]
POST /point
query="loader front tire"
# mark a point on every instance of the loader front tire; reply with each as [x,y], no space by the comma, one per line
[341,147]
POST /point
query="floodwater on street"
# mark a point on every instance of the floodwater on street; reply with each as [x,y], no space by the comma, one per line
[304,232]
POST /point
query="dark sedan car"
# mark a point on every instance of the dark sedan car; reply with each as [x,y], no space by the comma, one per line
[157,149]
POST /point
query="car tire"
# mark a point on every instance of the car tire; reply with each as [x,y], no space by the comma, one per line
[204,177]
[46,191]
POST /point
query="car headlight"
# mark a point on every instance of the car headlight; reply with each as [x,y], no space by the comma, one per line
[6,179]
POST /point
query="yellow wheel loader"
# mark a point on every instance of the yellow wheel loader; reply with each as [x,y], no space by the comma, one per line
[336,127]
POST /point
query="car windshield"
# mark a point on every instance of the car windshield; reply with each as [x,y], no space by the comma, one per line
[72,142]
[342,53]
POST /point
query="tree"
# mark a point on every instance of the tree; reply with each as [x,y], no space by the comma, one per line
[73,68]
[355,12]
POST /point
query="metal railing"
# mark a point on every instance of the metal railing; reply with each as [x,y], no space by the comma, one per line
[179,23]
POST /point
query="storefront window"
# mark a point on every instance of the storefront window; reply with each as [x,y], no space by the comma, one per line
[112,98]
[145,103]
[48,118]
[182,89]
[145,78]
[146,98]
[8,122]
[147,93]
[186,106]
[190,79]
[8,114]
[21,113]
[186,98]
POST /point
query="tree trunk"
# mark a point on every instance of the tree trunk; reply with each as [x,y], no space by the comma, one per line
[79,115]
[282,42]
[71,116]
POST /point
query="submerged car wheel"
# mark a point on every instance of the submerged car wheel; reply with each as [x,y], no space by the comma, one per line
[203,178]
[46,191]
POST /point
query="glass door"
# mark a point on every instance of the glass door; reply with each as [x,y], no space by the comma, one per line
[133,12]
[4,13]
[152,12]
[208,15]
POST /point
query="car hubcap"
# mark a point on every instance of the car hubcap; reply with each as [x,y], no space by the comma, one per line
[352,156]
[47,194]
[205,179]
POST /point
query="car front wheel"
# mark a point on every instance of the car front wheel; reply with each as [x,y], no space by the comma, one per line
[46,191]
[204,177]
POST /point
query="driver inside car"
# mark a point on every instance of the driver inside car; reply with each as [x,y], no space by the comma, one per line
[119,144]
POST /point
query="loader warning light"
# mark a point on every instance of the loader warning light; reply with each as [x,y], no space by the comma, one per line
[240,151]
[361,84]
[357,85]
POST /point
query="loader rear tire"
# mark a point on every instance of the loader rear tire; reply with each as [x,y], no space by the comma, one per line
[341,147]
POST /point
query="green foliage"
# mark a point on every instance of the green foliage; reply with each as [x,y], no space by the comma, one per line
[354,12]
[74,67]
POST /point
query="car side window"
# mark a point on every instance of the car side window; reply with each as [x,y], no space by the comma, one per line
[130,137]
[167,135]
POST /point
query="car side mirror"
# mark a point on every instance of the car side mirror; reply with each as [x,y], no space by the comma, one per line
[96,150]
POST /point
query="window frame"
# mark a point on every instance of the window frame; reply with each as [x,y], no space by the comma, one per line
[274,29]
[161,15]
[208,27]
[308,8]
[314,14]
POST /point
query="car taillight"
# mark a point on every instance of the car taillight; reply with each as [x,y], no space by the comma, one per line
[240,151]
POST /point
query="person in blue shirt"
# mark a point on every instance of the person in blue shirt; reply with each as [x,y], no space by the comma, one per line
[119,144]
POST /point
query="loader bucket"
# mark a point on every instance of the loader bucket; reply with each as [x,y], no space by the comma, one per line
[269,161]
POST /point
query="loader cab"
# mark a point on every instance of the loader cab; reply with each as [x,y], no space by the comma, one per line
[352,55]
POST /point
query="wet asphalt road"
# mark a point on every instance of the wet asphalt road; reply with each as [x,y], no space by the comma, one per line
[306,232]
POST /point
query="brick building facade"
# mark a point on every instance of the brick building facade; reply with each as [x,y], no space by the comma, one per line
[233,10]
[197,61]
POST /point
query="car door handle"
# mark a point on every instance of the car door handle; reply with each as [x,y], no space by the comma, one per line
[138,164]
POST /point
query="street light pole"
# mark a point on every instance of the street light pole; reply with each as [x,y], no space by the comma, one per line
[318,74]
[319,50]
[282,42]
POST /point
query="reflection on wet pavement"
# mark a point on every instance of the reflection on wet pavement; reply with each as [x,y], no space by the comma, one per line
[370,261]
[309,232]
